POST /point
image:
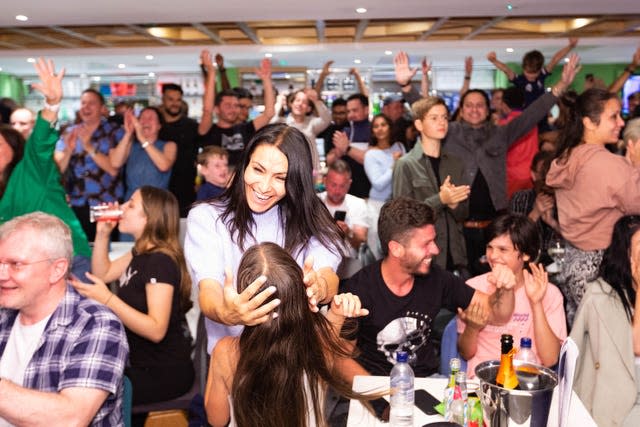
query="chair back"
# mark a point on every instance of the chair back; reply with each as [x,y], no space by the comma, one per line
[449,348]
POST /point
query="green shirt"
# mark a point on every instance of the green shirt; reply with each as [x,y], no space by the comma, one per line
[35,185]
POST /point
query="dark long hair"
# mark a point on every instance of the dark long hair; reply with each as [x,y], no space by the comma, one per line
[615,268]
[373,141]
[161,233]
[275,356]
[588,104]
[16,142]
[302,214]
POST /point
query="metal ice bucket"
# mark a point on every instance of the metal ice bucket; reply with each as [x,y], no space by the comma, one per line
[527,406]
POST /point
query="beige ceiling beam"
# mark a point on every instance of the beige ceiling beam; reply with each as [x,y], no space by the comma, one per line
[248,31]
[79,36]
[360,29]
[484,27]
[628,26]
[435,27]
[43,38]
[320,26]
[206,31]
[11,45]
[143,31]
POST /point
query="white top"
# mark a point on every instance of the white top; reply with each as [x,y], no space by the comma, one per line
[23,342]
[209,248]
[356,210]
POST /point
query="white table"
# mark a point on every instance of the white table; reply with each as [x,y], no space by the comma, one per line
[359,416]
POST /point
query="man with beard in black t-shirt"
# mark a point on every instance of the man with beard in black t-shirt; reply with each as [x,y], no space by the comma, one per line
[403,293]
[177,127]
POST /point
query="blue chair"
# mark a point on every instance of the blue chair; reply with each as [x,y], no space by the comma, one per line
[449,348]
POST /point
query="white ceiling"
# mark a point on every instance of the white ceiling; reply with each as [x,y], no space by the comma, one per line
[180,59]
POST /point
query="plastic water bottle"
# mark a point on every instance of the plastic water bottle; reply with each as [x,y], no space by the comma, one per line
[402,392]
[525,354]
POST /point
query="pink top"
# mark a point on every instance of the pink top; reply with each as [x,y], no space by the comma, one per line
[593,189]
[520,325]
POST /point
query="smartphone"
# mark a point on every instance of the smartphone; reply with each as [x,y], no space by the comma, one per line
[426,402]
[339,215]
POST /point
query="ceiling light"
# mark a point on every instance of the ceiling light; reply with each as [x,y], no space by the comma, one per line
[148,57]
[152,74]
[509,50]
[268,55]
[509,6]
[357,61]
[31,60]
[361,10]
[121,66]
[387,52]
[22,18]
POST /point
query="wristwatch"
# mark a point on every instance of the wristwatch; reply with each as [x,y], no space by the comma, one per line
[145,144]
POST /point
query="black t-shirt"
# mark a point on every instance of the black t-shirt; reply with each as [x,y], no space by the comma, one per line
[175,347]
[402,323]
[184,132]
[233,139]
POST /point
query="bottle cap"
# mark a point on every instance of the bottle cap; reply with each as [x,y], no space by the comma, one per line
[525,342]
[402,356]
[454,364]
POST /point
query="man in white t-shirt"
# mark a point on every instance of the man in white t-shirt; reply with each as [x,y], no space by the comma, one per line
[62,356]
[349,211]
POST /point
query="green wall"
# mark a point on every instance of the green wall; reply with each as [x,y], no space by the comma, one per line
[12,87]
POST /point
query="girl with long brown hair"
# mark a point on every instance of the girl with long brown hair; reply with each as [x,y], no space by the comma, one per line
[276,373]
[153,294]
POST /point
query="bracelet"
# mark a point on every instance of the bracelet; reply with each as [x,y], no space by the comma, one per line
[54,108]
[145,144]
[557,92]
[628,69]
[467,77]
[106,303]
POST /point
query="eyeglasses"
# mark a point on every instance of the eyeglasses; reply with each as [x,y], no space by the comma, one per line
[18,266]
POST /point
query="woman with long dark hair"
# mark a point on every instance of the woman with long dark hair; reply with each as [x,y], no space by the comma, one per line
[593,188]
[378,165]
[271,198]
[277,372]
[153,294]
[607,332]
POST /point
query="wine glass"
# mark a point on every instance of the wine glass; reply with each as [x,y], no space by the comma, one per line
[556,251]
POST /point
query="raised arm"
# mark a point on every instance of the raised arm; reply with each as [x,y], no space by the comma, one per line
[424,82]
[319,123]
[119,155]
[224,79]
[264,73]
[491,56]
[404,73]
[362,88]
[561,54]
[468,70]
[50,85]
[323,75]
[209,96]
[617,85]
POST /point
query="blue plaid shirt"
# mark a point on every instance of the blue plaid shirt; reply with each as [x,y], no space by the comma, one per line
[83,345]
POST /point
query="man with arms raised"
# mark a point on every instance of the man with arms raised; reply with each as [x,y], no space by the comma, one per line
[226,132]
[62,356]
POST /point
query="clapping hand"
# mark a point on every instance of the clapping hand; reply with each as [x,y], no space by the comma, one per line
[451,195]
[535,283]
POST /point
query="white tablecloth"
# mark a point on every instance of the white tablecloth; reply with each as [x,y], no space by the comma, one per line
[360,417]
